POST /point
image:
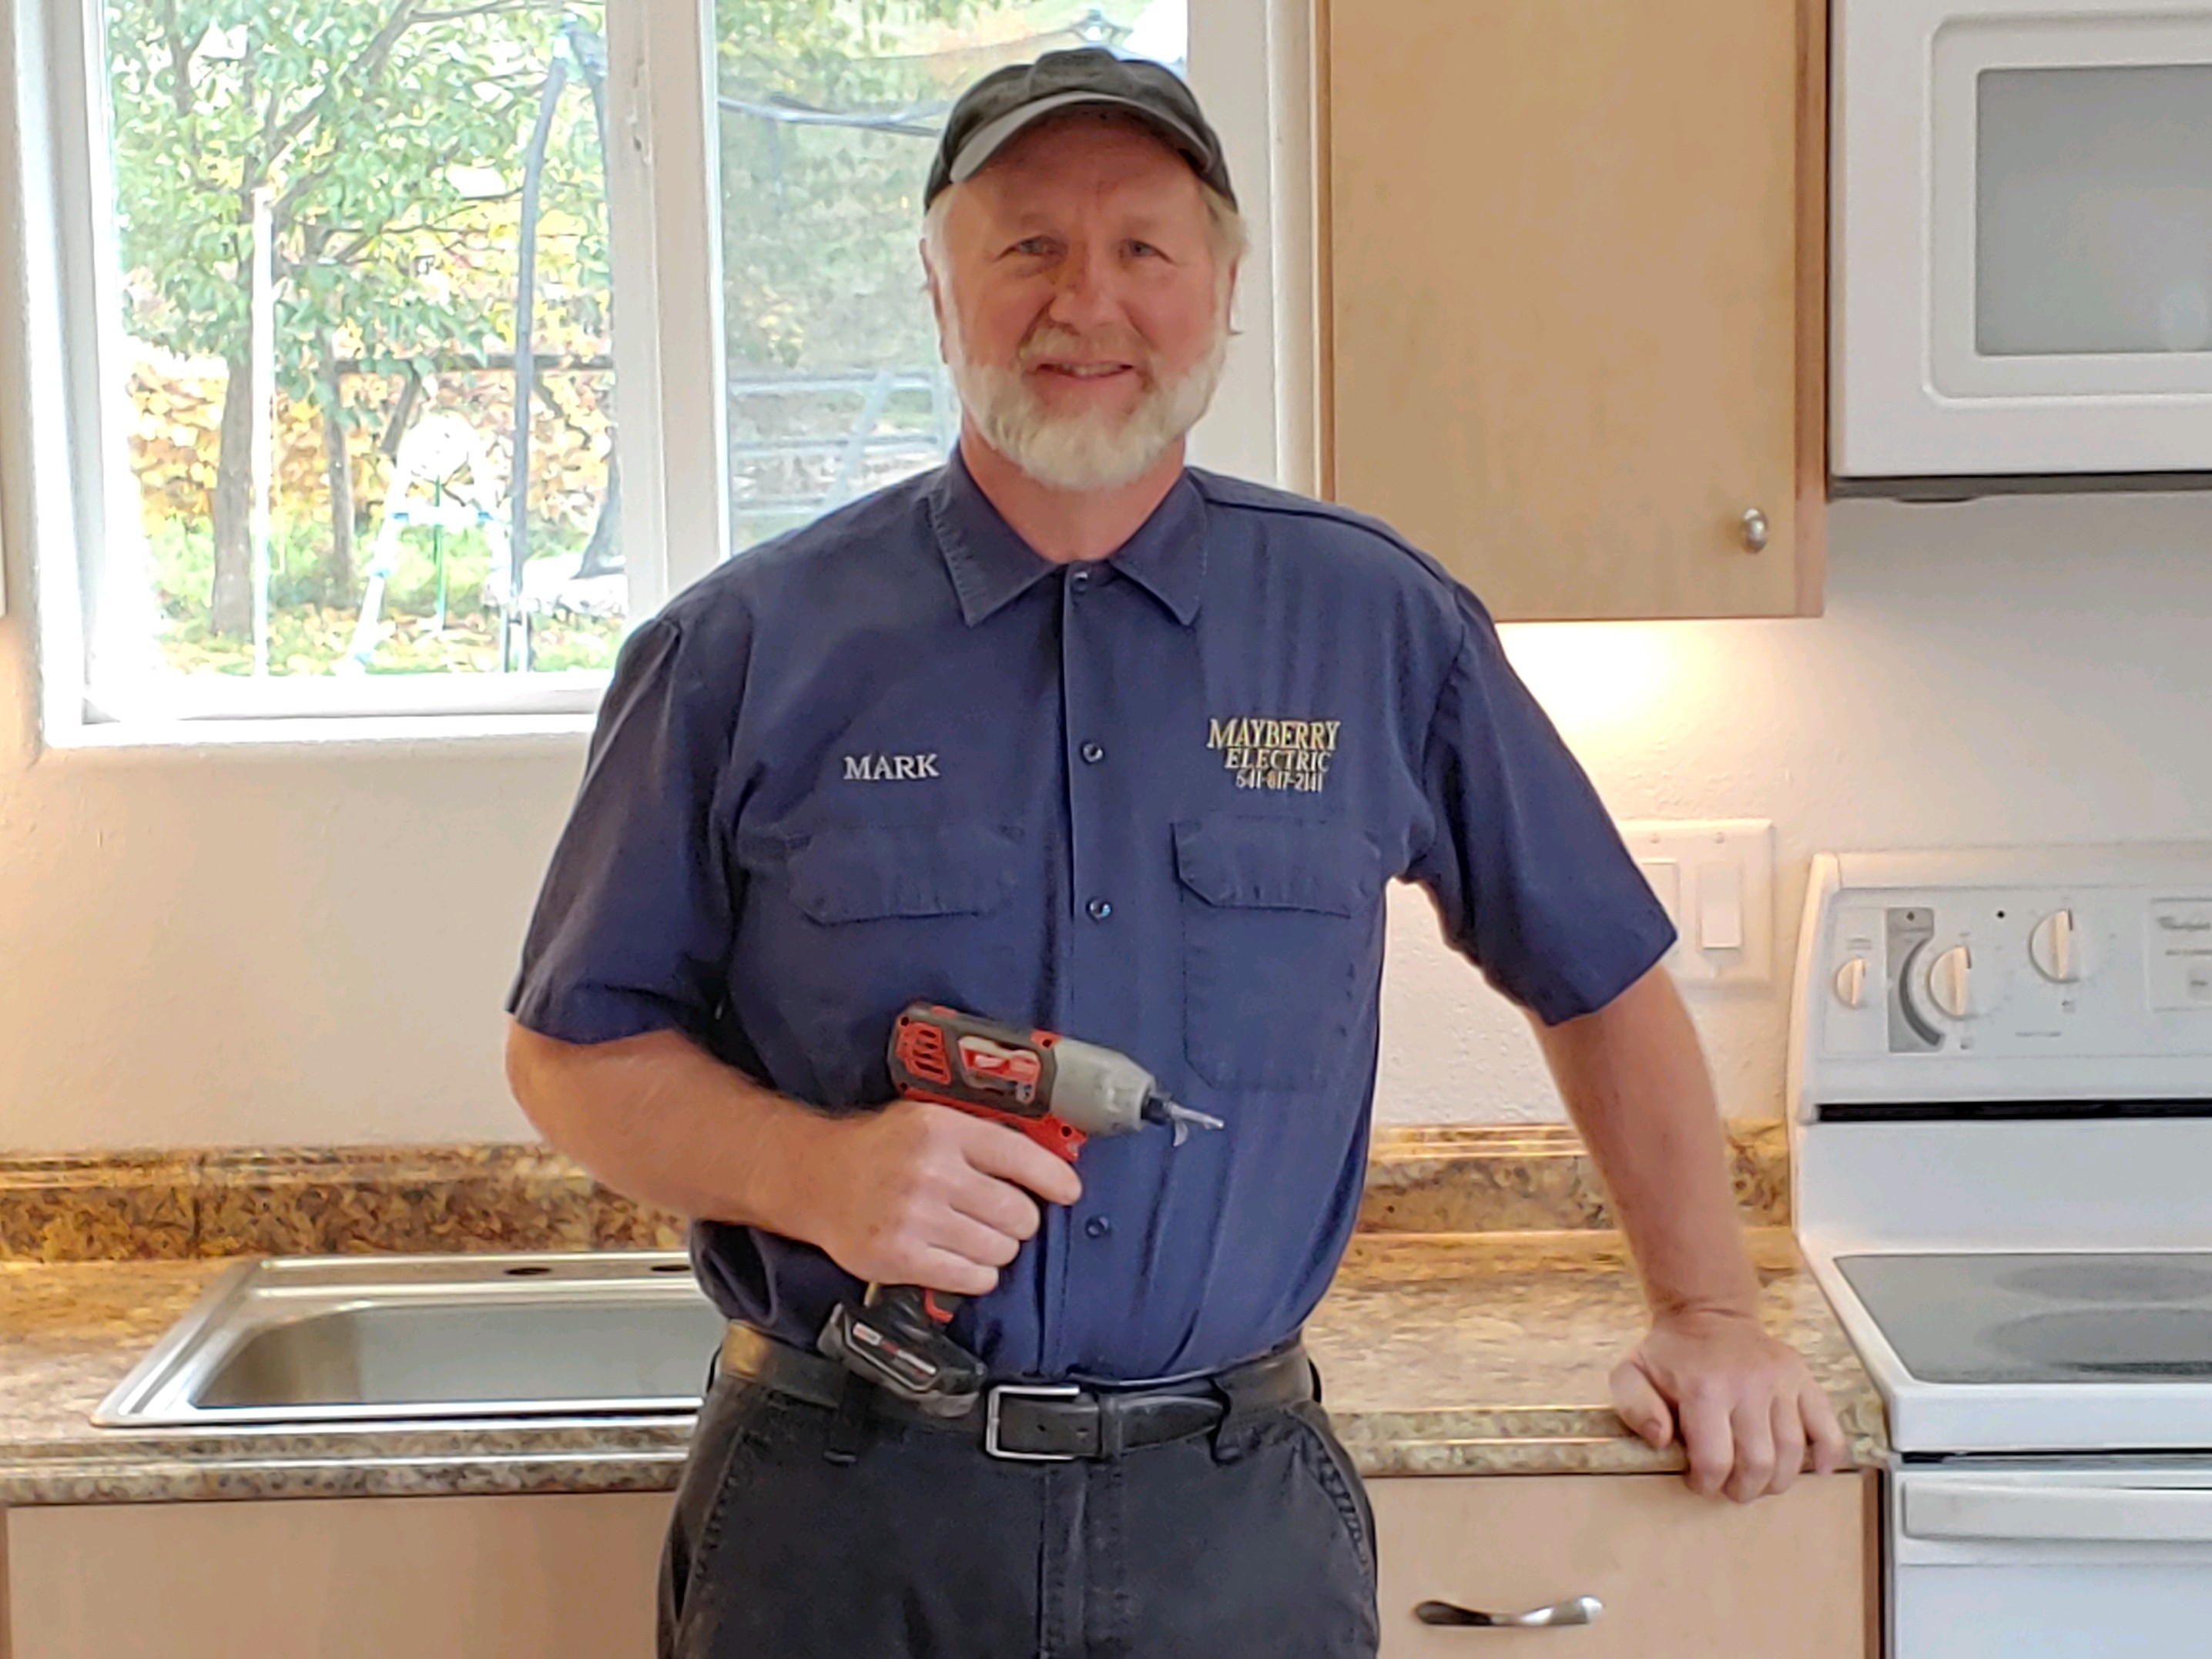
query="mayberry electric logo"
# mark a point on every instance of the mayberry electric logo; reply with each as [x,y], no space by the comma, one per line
[1273,754]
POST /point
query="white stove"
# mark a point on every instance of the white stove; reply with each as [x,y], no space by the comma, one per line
[2001,1108]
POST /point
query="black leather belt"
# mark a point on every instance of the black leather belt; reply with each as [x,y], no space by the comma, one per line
[1042,1422]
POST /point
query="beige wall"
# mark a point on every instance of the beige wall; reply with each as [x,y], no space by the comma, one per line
[1995,672]
[280,945]
[265,947]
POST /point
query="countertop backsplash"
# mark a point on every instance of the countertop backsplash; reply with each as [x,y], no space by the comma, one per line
[184,1204]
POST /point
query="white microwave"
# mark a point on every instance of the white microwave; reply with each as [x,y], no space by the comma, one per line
[2021,247]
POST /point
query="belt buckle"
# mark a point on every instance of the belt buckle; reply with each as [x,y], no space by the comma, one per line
[1001,1391]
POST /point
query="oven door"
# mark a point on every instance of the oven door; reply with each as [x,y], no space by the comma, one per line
[2107,1560]
[2023,237]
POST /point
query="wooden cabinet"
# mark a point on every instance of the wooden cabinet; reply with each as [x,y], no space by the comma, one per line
[573,1576]
[1572,295]
[1680,1576]
[554,1577]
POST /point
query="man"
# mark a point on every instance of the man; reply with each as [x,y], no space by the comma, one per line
[1067,734]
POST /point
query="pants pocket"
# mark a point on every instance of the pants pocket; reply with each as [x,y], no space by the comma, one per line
[1331,1466]
[732,1425]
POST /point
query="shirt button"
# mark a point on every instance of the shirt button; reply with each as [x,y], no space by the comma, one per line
[1099,909]
[1094,752]
[1098,1226]
[1079,580]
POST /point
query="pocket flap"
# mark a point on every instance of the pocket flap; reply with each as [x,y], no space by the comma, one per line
[863,872]
[1278,864]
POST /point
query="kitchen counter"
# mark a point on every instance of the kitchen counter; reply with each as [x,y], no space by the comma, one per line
[1488,1353]
[1440,1354]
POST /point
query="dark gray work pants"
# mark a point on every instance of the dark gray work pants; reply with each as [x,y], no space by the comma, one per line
[1254,1539]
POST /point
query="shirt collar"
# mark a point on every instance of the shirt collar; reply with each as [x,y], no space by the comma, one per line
[991,566]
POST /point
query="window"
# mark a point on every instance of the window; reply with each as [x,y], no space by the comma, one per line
[363,306]
[410,351]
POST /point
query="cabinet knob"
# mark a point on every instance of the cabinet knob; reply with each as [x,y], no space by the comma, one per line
[1581,1610]
[1754,530]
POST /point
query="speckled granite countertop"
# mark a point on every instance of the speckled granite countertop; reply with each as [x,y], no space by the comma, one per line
[1488,1353]
[1439,1353]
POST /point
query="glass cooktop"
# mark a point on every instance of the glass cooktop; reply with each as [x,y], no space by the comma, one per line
[2028,1317]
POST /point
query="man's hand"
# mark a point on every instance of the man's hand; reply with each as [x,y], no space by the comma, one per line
[1743,1404]
[919,1194]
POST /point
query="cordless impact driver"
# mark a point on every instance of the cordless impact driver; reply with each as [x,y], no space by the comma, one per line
[1056,1090]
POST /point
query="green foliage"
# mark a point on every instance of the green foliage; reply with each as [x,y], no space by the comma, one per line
[310,633]
[815,273]
[388,136]
[354,115]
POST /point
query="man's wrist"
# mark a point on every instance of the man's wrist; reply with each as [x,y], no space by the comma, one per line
[1741,1306]
[776,1177]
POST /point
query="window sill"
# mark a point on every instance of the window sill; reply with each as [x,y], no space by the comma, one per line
[476,736]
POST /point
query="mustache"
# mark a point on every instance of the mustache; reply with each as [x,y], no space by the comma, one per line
[1049,340]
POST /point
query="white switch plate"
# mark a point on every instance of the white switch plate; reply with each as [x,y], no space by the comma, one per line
[1716,877]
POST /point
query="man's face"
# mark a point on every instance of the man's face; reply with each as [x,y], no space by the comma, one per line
[1079,300]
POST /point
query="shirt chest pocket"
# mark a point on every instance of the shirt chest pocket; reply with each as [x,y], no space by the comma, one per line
[1278,920]
[858,919]
[879,873]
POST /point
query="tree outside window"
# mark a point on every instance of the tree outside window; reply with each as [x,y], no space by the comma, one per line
[396,142]
[434,179]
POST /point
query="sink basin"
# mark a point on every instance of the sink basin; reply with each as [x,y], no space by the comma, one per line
[374,1339]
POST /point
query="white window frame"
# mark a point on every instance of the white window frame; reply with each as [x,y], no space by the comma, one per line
[61,327]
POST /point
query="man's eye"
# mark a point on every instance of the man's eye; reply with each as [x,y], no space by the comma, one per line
[1146,251]
[1034,247]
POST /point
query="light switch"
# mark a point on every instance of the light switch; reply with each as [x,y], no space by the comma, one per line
[1720,905]
[1715,879]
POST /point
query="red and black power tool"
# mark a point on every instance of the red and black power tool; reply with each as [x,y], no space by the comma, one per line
[1056,1090]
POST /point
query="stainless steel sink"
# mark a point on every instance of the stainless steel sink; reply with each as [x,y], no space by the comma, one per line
[371,1338]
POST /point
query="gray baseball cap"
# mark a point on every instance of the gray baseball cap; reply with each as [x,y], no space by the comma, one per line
[1007,100]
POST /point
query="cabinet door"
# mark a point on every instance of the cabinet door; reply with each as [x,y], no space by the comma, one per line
[1573,289]
[1680,1576]
[555,1576]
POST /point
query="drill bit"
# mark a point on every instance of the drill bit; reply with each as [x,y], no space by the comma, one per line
[1158,1108]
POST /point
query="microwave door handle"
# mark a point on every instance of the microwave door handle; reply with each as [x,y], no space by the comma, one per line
[1968,1511]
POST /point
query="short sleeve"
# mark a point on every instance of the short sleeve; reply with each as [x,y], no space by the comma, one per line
[632,926]
[1532,878]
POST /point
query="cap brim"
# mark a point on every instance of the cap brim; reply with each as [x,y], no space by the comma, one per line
[992,136]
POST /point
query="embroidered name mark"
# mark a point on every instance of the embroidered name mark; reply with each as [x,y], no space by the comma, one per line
[889,768]
[1265,754]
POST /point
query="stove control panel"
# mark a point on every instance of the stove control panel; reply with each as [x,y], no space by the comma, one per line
[2016,974]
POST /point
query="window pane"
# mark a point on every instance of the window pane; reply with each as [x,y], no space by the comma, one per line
[435,235]
[829,116]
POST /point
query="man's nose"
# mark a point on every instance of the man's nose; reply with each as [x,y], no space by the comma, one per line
[1085,290]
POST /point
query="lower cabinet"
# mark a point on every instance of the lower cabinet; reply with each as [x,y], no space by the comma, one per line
[553,1576]
[572,1575]
[1679,1576]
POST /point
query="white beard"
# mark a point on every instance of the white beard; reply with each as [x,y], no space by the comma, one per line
[1094,450]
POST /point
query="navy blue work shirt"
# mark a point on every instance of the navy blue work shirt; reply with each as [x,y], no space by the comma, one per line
[1150,801]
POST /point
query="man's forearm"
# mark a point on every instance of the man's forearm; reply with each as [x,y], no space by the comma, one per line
[914,1194]
[660,1119]
[1636,1084]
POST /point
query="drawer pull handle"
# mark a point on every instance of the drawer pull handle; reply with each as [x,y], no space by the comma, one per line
[1582,1610]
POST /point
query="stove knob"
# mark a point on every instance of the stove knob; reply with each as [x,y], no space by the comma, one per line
[2055,948]
[1950,982]
[1850,982]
